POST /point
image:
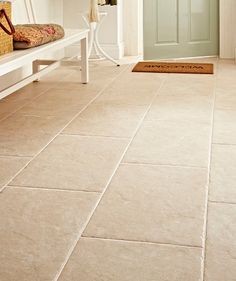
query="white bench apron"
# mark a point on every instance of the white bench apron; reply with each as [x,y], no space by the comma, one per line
[20,58]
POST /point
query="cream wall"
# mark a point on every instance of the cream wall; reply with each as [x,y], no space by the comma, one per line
[46,11]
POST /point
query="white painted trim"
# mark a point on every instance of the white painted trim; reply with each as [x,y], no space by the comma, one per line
[115,51]
[133,27]
[227,29]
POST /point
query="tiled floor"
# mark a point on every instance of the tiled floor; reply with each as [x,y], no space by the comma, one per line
[129,178]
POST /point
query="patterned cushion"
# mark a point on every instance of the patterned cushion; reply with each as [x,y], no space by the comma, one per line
[32,35]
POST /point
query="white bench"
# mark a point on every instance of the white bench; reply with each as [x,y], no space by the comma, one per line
[18,59]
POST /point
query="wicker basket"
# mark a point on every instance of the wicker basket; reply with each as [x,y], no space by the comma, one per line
[6,41]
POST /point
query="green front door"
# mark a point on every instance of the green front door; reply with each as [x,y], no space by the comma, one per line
[180,28]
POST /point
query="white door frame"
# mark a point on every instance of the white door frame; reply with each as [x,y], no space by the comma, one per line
[133,27]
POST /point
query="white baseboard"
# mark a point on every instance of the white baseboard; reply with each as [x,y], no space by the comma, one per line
[116,51]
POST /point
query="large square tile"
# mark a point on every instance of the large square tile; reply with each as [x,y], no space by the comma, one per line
[225,87]
[20,98]
[171,142]
[181,107]
[25,135]
[191,84]
[74,162]
[226,69]
[101,74]
[221,245]
[9,166]
[27,93]
[223,173]
[107,120]
[224,127]
[37,230]
[132,89]
[103,260]
[8,108]
[57,102]
[151,203]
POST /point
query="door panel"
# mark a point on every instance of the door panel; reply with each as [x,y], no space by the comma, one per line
[199,22]
[166,18]
[180,28]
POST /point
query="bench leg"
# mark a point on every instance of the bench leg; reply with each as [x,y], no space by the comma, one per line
[84,61]
[36,68]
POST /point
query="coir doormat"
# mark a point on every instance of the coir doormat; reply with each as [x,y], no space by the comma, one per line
[173,67]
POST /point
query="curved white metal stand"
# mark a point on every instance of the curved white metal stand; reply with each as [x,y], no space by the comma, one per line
[94,41]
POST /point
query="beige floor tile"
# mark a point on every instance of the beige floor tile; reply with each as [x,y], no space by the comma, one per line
[225,87]
[72,83]
[28,93]
[96,260]
[107,120]
[17,100]
[60,74]
[56,102]
[225,113]
[132,89]
[191,84]
[224,127]
[226,69]
[225,100]
[151,203]
[221,245]
[171,142]
[116,96]
[74,162]
[37,229]
[9,166]
[100,76]
[6,108]
[182,107]
[223,174]
[25,135]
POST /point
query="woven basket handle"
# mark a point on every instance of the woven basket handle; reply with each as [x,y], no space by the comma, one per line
[3,15]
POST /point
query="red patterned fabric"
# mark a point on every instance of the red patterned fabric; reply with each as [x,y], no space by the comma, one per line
[32,35]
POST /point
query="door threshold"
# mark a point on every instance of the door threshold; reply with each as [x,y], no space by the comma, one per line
[187,58]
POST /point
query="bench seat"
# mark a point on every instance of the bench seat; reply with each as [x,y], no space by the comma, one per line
[20,58]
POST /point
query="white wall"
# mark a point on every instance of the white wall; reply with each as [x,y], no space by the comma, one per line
[133,27]
[227,28]
[111,32]
[46,11]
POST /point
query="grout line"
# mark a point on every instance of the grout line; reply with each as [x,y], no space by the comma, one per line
[163,165]
[141,242]
[106,187]
[51,189]
[68,123]
[33,99]
[224,144]
[92,136]
[203,272]
[222,202]
[26,103]
[14,156]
